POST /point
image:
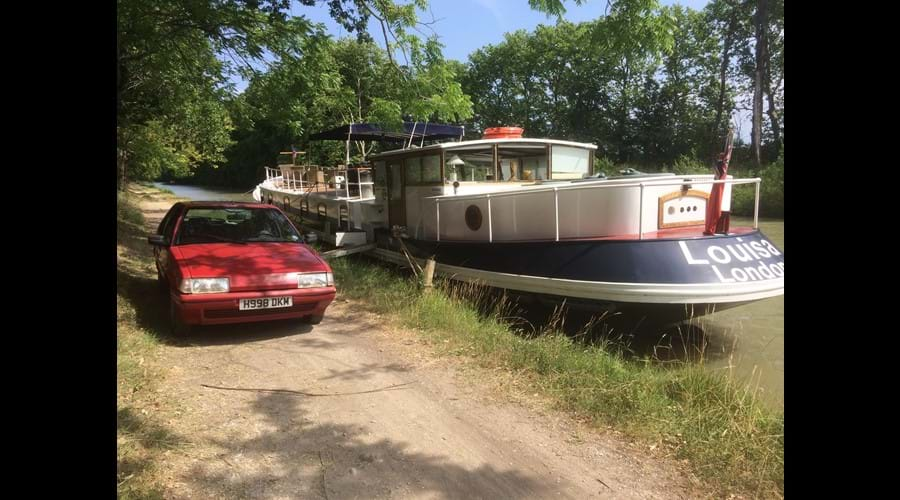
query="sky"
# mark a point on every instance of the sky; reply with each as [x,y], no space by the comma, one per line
[466,25]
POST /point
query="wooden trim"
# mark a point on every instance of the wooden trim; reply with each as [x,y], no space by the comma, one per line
[495,157]
[549,162]
[691,193]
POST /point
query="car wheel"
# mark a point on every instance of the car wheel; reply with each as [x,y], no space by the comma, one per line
[315,319]
[178,327]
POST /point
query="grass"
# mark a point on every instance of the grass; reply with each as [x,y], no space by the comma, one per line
[727,434]
[141,439]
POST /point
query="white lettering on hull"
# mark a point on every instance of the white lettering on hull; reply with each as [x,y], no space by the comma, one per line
[735,255]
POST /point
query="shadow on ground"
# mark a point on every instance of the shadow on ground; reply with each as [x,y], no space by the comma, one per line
[300,459]
[141,440]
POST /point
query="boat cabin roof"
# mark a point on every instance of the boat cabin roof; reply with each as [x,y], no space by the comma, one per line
[449,146]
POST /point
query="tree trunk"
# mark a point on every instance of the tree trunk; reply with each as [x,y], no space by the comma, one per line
[723,77]
[623,119]
[761,60]
[773,116]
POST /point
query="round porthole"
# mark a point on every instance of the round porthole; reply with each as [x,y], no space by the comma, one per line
[473,217]
[671,210]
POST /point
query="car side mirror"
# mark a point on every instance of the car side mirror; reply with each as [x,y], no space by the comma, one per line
[158,240]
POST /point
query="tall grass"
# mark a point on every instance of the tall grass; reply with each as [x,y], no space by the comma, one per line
[716,422]
[140,438]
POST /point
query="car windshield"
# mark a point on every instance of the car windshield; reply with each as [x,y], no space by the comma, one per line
[235,225]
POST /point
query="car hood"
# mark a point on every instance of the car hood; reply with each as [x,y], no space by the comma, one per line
[249,266]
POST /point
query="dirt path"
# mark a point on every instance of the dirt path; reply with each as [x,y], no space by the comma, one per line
[373,415]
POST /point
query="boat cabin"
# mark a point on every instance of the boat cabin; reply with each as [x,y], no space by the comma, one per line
[517,189]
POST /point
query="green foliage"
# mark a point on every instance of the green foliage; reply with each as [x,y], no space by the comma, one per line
[601,81]
[604,164]
[551,7]
[175,109]
[688,164]
[771,191]
[333,83]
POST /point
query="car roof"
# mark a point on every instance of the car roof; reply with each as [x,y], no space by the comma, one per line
[224,204]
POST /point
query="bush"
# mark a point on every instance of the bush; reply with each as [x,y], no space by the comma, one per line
[604,165]
[686,164]
[771,192]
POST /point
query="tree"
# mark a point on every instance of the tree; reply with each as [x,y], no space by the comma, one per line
[335,82]
[171,81]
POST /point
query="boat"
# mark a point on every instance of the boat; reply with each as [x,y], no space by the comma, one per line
[529,216]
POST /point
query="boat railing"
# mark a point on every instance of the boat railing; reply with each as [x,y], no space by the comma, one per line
[598,185]
[350,183]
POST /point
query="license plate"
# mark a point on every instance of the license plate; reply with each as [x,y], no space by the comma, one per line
[266,303]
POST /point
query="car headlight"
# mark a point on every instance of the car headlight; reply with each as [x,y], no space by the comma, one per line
[314,280]
[204,285]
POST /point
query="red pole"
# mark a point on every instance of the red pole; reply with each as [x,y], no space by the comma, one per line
[715,222]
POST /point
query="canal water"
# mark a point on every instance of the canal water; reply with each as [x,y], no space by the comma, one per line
[202,193]
[746,341]
[749,340]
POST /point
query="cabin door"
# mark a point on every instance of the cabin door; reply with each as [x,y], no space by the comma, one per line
[396,194]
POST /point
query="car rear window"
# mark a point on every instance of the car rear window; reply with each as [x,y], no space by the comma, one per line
[235,225]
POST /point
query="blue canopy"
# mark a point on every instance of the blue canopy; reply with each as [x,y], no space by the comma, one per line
[374,132]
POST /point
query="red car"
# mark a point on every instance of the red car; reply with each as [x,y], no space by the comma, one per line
[230,262]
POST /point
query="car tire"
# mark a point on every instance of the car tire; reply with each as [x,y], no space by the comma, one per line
[177,325]
[315,319]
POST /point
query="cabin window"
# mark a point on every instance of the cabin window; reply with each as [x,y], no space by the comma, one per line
[469,165]
[522,162]
[431,169]
[423,170]
[569,162]
[413,168]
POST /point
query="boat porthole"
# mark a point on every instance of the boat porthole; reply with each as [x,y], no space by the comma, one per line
[671,210]
[473,217]
[682,209]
